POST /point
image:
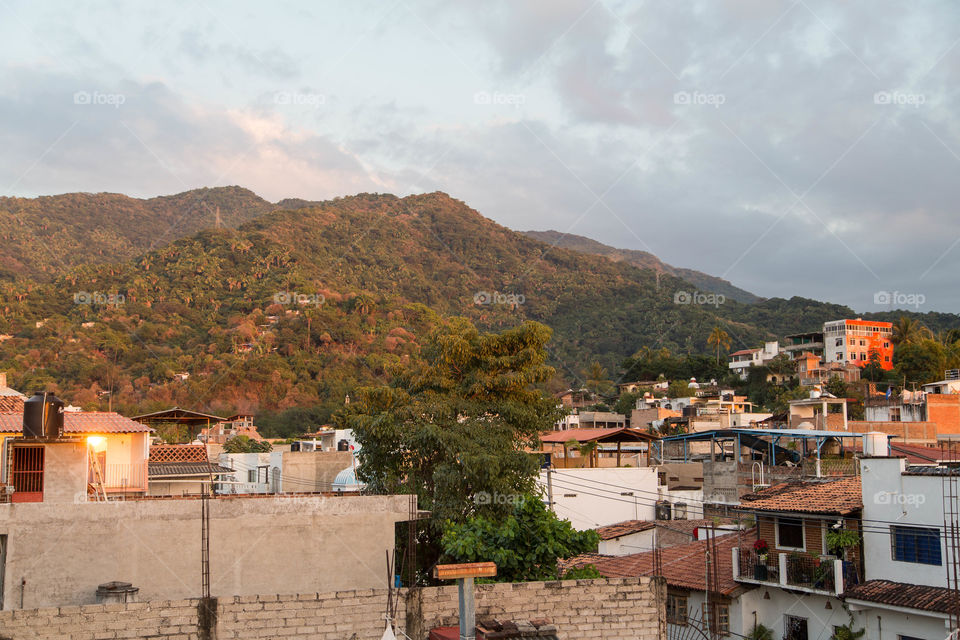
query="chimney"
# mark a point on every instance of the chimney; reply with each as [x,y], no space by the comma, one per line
[3,379]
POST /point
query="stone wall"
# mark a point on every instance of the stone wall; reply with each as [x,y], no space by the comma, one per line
[609,609]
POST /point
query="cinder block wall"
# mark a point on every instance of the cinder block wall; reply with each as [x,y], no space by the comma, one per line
[608,609]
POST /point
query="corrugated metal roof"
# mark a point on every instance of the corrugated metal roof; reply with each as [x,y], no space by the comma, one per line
[171,469]
[79,422]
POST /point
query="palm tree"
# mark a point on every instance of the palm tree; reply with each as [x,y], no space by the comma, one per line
[596,378]
[719,337]
[909,331]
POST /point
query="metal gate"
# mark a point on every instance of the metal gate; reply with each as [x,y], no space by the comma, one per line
[27,474]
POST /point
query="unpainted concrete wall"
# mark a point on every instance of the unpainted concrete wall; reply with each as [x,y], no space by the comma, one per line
[258,545]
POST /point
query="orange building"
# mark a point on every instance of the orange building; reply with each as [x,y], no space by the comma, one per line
[853,342]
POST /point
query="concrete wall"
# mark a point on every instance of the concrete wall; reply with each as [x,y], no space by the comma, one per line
[609,609]
[258,545]
[889,496]
[313,470]
[591,498]
[773,612]
[881,623]
[628,544]
[65,472]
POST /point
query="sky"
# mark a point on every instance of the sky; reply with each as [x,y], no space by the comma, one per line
[806,147]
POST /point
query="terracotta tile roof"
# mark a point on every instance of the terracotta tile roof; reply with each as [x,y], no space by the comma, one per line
[742,352]
[683,565]
[169,469]
[589,435]
[625,528]
[900,594]
[79,422]
[839,497]
[11,403]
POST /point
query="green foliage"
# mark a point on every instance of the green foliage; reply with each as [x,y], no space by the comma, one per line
[848,631]
[586,572]
[525,545]
[625,403]
[452,427]
[246,444]
[760,632]
[838,540]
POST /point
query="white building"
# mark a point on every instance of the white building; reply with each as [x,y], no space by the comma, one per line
[594,497]
[252,472]
[741,361]
[905,594]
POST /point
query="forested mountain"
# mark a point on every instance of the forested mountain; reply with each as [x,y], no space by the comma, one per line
[44,237]
[644,260]
[297,307]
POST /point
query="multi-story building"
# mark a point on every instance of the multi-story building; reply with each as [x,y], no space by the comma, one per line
[800,343]
[741,361]
[853,341]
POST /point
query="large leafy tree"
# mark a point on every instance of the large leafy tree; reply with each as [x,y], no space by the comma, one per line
[454,427]
[525,545]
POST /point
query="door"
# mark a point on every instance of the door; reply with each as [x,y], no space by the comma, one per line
[27,474]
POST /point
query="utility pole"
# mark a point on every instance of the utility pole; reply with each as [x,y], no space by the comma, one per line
[550,488]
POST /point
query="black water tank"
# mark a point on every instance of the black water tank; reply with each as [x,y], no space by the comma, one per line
[343,445]
[43,416]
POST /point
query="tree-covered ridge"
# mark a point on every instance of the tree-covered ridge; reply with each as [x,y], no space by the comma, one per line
[44,237]
[297,308]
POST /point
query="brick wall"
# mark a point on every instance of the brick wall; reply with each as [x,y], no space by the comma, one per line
[615,608]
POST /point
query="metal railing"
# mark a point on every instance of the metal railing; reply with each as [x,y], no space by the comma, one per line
[811,572]
[752,567]
[125,477]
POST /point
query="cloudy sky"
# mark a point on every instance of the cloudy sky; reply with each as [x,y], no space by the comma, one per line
[807,147]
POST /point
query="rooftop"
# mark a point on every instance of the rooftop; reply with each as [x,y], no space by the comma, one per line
[157,470]
[622,434]
[682,565]
[625,528]
[79,423]
[900,594]
[838,497]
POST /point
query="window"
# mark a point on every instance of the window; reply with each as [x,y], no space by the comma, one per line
[790,533]
[795,628]
[839,342]
[251,475]
[263,475]
[863,356]
[722,612]
[915,544]
[676,609]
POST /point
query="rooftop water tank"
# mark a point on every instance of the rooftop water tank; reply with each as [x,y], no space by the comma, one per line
[43,416]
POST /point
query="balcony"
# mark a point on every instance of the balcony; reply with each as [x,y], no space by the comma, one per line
[123,478]
[823,575]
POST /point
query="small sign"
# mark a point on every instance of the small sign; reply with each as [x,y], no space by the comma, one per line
[468,570]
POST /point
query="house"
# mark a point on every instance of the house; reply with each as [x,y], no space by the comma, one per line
[10,399]
[182,470]
[799,344]
[99,453]
[240,424]
[820,411]
[253,473]
[576,398]
[591,498]
[800,575]
[605,447]
[694,599]
[907,551]
[626,538]
[855,341]
[812,371]
[741,361]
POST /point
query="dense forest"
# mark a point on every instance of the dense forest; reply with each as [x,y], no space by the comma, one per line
[293,309]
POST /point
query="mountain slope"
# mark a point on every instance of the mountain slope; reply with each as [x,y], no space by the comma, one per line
[643,260]
[44,237]
[297,307]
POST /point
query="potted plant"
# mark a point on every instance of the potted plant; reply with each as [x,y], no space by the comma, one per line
[760,632]
[760,567]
